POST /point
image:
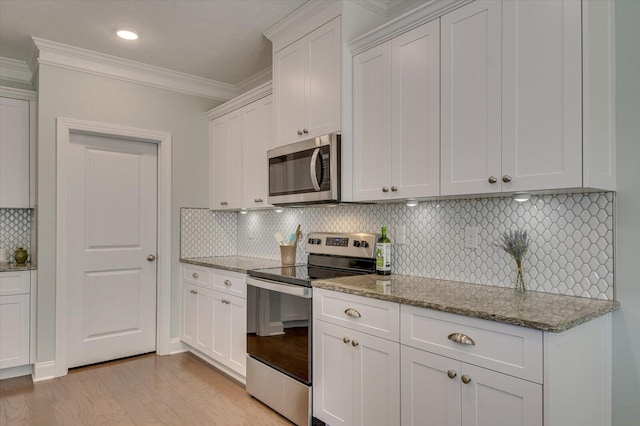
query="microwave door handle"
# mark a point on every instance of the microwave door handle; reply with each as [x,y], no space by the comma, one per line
[312,169]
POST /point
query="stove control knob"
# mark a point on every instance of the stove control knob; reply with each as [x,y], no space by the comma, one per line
[310,241]
[356,243]
[364,244]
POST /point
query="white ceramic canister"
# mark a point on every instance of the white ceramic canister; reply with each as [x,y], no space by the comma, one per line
[3,255]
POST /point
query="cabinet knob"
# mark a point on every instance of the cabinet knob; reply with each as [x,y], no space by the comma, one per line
[394,188]
[195,275]
[352,313]
[506,178]
[257,200]
[452,374]
[193,292]
[385,189]
[461,338]
[223,203]
[355,343]
[492,179]
[299,132]
[466,379]
[346,340]
[305,131]
[227,282]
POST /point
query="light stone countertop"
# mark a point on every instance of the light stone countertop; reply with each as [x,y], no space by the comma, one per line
[540,311]
[12,267]
[239,264]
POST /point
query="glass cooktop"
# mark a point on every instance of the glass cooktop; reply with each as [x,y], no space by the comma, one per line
[300,274]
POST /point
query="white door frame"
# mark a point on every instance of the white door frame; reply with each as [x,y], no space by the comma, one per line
[66,126]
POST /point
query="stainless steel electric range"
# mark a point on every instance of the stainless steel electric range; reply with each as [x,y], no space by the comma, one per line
[279,319]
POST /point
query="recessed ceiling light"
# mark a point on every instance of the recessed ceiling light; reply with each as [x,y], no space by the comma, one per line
[127,34]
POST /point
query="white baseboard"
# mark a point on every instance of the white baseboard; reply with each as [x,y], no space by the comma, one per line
[44,371]
[22,370]
[176,346]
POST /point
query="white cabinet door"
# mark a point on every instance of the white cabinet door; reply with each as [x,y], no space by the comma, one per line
[430,397]
[221,326]
[471,69]
[225,135]
[495,399]
[257,139]
[197,317]
[14,153]
[14,330]
[289,85]
[332,374]
[322,100]
[189,323]
[237,334]
[541,94]
[371,123]
[415,112]
[375,380]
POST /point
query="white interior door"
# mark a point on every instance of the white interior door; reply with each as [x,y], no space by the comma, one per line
[112,205]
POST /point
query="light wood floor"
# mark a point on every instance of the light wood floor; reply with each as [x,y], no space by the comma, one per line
[145,390]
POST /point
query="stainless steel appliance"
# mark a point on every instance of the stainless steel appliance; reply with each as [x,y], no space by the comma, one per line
[279,319]
[306,172]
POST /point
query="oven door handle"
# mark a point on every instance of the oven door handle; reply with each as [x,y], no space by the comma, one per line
[312,169]
[294,290]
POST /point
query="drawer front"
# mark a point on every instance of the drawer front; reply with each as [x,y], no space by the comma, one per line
[196,275]
[372,316]
[15,282]
[230,283]
[505,348]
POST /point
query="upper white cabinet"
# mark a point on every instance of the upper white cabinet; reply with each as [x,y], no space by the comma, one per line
[396,117]
[240,134]
[512,98]
[14,153]
[306,84]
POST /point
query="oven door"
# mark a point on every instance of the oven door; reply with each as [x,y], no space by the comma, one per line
[279,327]
[305,172]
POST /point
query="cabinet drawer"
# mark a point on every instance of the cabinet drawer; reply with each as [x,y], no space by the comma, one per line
[230,283]
[509,349]
[372,316]
[15,282]
[196,275]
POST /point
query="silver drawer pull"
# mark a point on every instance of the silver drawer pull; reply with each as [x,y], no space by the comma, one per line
[466,379]
[352,313]
[227,282]
[461,338]
[355,343]
[194,275]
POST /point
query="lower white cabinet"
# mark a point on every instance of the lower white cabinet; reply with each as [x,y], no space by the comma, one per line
[356,377]
[15,319]
[440,391]
[214,322]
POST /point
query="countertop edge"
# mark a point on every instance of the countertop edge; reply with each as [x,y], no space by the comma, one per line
[256,262]
[14,268]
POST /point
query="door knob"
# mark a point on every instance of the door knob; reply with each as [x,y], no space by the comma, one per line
[151,258]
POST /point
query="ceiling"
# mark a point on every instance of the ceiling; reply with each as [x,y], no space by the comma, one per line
[219,40]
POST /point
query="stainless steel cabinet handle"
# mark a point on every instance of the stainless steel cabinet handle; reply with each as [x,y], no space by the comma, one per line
[299,132]
[452,374]
[506,178]
[352,313]
[194,292]
[223,203]
[461,338]
[151,258]
[346,340]
[305,131]
[227,282]
[466,379]
[394,188]
[355,343]
[195,275]
[492,179]
[258,200]
[225,301]
[385,189]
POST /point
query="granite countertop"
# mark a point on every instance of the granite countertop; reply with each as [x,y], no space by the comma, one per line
[232,263]
[540,311]
[12,267]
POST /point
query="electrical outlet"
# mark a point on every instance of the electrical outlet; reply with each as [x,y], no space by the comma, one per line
[401,234]
[471,237]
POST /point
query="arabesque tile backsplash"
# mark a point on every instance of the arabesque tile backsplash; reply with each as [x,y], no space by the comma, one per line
[15,230]
[571,251]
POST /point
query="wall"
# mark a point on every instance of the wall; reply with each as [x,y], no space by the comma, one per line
[15,230]
[626,325]
[77,95]
[571,238]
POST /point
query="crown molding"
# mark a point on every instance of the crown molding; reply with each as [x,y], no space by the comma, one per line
[14,70]
[25,95]
[245,99]
[380,7]
[74,58]
[400,8]
[255,80]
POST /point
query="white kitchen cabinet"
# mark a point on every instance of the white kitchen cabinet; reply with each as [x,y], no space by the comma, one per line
[441,391]
[356,377]
[396,117]
[197,317]
[14,153]
[306,85]
[229,347]
[15,319]
[225,134]
[257,139]
[511,97]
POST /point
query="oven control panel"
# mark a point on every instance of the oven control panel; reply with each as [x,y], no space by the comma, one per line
[355,244]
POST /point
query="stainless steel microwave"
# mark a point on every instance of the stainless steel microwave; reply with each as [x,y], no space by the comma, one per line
[306,172]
